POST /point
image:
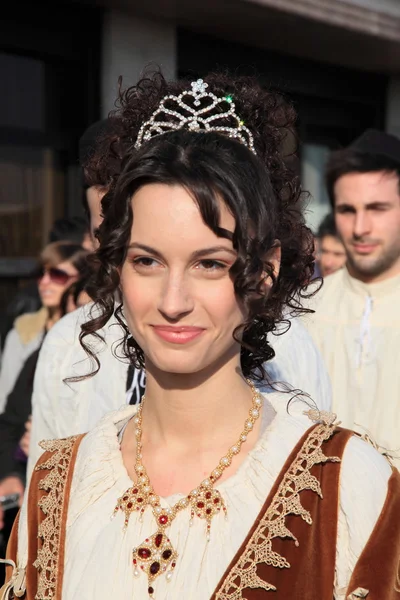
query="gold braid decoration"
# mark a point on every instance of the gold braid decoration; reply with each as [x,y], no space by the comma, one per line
[285,502]
[52,504]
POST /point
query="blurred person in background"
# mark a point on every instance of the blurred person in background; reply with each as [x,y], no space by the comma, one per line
[357,324]
[60,409]
[331,255]
[95,187]
[72,229]
[60,265]
[27,300]
[15,420]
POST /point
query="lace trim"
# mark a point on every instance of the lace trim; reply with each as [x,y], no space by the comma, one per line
[286,501]
[52,506]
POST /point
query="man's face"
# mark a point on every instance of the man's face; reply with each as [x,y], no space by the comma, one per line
[331,255]
[367,213]
[94,196]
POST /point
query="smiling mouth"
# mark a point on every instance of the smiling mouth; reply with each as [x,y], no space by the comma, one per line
[178,335]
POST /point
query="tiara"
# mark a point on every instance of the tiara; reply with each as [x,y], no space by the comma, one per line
[177,112]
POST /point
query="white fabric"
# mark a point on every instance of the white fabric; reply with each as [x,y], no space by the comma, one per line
[357,329]
[61,409]
[98,552]
[14,355]
[298,364]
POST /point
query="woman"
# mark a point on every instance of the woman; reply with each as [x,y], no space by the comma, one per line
[15,417]
[60,265]
[216,491]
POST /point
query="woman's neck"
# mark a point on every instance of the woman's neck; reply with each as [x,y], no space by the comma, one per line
[54,315]
[194,411]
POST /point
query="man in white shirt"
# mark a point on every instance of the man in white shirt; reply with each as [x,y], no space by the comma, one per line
[357,322]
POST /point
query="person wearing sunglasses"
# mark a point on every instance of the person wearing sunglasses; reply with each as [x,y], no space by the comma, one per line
[62,275]
[15,422]
[60,265]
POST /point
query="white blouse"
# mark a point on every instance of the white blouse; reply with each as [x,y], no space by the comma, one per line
[98,563]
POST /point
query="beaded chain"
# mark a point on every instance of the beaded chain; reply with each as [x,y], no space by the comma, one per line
[156,555]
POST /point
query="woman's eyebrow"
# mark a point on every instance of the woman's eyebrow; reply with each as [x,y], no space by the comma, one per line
[194,255]
[212,250]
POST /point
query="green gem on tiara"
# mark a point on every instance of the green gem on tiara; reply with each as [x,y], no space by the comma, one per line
[241,123]
[229,98]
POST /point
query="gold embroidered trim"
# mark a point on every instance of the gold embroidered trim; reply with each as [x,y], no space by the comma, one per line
[52,506]
[286,502]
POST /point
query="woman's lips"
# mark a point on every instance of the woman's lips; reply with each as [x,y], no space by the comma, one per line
[177,335]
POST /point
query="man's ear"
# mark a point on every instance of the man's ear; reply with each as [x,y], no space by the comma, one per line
[273,257]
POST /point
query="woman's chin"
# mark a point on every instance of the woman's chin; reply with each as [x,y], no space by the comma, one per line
[183,365]
[49,303]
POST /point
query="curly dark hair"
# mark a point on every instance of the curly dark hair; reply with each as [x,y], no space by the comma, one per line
[260,191]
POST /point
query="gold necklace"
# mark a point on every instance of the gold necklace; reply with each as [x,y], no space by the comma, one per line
[156,554]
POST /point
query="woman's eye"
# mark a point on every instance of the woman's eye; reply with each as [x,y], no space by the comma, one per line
[144,261]
[212,265]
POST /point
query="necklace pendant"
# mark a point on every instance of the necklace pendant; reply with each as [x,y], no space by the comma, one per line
[136,499]
[206,503]
[154,557]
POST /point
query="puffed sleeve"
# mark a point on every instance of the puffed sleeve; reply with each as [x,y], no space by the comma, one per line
[369,497]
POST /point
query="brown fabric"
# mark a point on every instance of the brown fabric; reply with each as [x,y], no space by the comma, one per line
[378,568]
[312,561]
[35,517]
[312,570]
[64,518]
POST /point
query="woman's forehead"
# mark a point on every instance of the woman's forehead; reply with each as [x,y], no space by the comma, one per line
[161,207]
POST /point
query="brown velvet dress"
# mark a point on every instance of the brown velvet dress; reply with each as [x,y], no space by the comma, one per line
[289,553]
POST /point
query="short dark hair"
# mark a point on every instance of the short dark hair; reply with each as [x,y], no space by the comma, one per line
[68,229]
[89,143]
[327,227]
[74,290]
[372,152]
[58,252]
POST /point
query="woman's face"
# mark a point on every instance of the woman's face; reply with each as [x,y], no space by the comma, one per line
[178,296]
[54,282]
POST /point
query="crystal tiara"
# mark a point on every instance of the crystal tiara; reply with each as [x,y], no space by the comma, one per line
[201,117]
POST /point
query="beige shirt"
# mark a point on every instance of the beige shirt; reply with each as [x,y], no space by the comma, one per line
[357,329]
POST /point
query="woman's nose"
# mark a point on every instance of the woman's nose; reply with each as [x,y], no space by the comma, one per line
[176,299]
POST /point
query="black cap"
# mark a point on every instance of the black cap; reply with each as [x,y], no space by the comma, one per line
[377,143]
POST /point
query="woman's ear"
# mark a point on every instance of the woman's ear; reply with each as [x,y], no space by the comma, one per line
[273,258]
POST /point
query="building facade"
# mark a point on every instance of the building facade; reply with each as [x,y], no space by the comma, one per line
[337,60]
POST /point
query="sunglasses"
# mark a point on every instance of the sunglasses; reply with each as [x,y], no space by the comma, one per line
[56,275]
